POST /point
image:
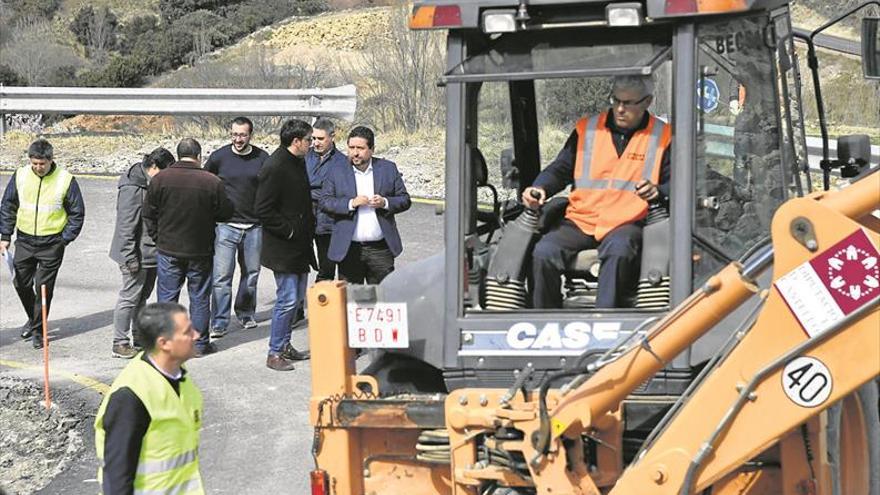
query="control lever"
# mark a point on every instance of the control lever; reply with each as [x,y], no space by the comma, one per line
[537,197]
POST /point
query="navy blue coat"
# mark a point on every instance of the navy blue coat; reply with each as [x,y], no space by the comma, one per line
[340,187]
[317,173]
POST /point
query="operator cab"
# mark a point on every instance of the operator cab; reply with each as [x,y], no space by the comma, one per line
[513,96]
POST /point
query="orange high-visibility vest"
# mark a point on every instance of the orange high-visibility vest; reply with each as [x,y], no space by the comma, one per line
[604,196]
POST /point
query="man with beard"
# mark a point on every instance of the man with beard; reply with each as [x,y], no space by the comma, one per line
[237,164]
[363,196]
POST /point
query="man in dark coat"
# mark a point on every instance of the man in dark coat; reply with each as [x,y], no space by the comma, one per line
[133,250]
[183,203]
[284,208]
[322,157]
[363,196]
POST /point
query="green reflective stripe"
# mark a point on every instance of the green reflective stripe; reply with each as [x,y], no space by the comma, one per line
[653,144]
[162,465]
[587,155]
[185,487]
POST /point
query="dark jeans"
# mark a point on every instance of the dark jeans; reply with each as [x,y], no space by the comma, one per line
[196,272]
[136,289]
[366,261]
[35,266]
[289,291]
[233,243]
[618,255]
[326,267]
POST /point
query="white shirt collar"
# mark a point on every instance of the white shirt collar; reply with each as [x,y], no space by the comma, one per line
[368,170]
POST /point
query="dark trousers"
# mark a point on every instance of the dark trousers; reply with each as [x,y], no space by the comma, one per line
[35,266]
[326,267]
[618,255]
[196,272]
[366,261]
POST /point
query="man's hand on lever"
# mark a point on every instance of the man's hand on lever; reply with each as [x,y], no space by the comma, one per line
[647,190]
[533,197]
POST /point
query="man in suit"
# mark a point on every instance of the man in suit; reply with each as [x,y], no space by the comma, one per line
[284,208]
[363,196]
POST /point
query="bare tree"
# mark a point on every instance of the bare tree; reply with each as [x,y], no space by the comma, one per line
[33,53]
[399,88]
[101,34]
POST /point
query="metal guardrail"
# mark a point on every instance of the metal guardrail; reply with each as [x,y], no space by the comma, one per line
[339,102]
[719,143]
[831,42]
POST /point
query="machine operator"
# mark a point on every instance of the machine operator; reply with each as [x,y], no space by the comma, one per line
[618,161]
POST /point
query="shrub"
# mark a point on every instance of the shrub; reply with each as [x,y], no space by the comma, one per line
[23,9]
[172,10]
[121,72]
[569,99]
[161,51]
[134,29]
[202,31]
[8,77]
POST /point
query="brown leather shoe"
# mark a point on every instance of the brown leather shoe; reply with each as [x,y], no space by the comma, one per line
[279,363]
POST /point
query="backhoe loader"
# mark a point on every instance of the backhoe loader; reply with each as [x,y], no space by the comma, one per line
[747,356]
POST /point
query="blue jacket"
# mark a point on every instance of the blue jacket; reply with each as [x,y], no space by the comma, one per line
[317,170]
[340,187]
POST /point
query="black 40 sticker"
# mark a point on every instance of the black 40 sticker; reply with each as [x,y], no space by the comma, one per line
[807,381]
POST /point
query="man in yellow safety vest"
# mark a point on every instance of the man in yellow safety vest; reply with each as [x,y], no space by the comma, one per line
[147,428]
[43,206]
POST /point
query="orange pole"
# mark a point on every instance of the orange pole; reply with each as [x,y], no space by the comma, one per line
[45,347]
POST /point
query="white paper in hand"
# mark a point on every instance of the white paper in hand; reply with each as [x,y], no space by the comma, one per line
[7,262]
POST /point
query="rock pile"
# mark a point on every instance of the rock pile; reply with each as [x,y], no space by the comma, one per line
[35,443]
[353,30]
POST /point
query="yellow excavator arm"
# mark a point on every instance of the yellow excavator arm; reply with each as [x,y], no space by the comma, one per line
[752,423]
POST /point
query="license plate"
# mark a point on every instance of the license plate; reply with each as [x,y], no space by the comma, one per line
[377,326]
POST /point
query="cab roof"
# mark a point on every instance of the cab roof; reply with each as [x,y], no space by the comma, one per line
[545,13]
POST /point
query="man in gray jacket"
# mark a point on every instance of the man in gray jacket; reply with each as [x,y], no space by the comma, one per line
[134,250]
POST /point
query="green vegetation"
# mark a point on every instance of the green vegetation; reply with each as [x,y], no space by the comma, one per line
[116,51]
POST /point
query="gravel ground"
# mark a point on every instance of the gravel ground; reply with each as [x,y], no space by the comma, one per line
[36,444]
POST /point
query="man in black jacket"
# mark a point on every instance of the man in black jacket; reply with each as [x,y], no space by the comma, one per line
[284,207]
[134,250]
[183,203]
[43,206]
[237,164]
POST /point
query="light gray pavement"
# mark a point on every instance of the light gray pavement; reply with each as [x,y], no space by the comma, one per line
[256,436]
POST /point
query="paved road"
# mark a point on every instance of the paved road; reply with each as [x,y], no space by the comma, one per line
[256,436]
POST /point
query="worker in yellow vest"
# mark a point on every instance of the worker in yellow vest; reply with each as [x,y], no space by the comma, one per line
[617,161]
[147,428]
[43,206]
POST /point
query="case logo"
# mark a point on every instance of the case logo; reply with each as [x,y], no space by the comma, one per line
[573,335]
